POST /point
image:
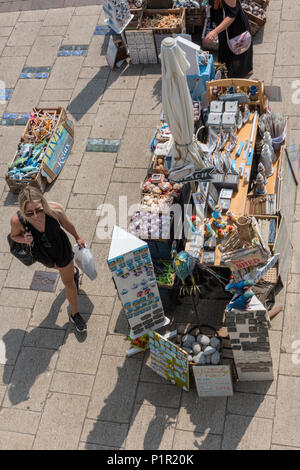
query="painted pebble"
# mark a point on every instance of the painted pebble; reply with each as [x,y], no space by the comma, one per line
[215,358]
[196,348]
[203,340]
[209,350]
[215,342]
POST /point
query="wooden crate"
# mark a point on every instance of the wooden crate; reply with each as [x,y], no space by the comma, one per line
[242,83]
[263,3]
[37,180]
[62,117]
[180,28]
[195,16]
[137,13]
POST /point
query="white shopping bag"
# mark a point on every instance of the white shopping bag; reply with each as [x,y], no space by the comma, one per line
[84,259]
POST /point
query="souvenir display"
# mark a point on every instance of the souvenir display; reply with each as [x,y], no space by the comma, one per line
[132,269]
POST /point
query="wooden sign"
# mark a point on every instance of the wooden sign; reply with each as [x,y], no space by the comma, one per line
[57,151]
[169,360]
[213,381]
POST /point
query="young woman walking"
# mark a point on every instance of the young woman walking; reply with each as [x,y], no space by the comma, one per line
[49,244]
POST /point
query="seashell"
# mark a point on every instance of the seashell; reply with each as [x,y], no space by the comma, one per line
[196,348]
[203,340]
[214,342]
[209,350]
[215,358]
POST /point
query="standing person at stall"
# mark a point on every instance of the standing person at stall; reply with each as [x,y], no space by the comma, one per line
[231,21]
[38,224]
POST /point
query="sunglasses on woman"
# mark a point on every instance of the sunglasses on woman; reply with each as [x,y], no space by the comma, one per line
[37,211]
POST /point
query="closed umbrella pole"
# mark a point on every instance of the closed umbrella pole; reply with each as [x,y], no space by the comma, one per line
[178,107]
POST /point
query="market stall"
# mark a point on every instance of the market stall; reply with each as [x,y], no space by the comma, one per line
[224,220]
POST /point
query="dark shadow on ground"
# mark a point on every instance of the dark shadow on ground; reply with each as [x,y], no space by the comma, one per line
[19,343]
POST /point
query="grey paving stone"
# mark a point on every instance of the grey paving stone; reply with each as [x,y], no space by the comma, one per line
[14,322]
[9,19]
[111,120]
[26,95]
[85,222]
[290,10]
[3,275]
[37,15]
[9,140]
[50,311]
[94,72]
[52,31]
[58,17]
[118,322]
[125,79]
[48,338]
[62,413]
[114,390]
[64,73]
[16,51]
[19,420]
[24,33]
[3,42]
[15,441]
[197,414]
[80,30]
[187,440]
[94,173]
[133,152]
[247,433]
[275,447]
[245,404]
[5,260]
[86,96]
[84,359]
[103,433]
[285,432]
[263,67]
[96,56]
[44,51]
[289,25]
[118,95]
[103,284]
[81,134]
[142,120]
[147,97]
[92,10]
[88,446]
[290,363]
[85,201]
[122,175]
[6,31]
[286,55]
[164,395]
[17,297]
[5,376]
[69,172]
[57,95]
[151,428]
[75,384]
[31,378]
[59,191]
[117,345]
[291,330]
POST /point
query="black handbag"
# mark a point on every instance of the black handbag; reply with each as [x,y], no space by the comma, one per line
[21,251]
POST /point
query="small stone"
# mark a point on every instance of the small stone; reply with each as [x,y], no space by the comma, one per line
[215,342]
[188,340]
[200,358]
[203,340]
[209,350]
[215,358]
[196,348]
[187,349]
[207,359]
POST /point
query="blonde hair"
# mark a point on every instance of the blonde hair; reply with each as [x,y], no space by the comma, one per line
[33,194]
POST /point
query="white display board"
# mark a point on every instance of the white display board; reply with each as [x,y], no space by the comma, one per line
[132,269]
[213,381]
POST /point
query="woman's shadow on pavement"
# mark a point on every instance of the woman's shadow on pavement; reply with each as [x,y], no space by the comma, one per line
[29,358]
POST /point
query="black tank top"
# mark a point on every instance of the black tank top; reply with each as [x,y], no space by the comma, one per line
[52,246]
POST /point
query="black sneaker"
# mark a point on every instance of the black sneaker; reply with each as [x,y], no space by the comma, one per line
[76,277]
[78,322]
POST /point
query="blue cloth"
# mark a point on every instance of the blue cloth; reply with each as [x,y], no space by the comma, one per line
[197,83]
